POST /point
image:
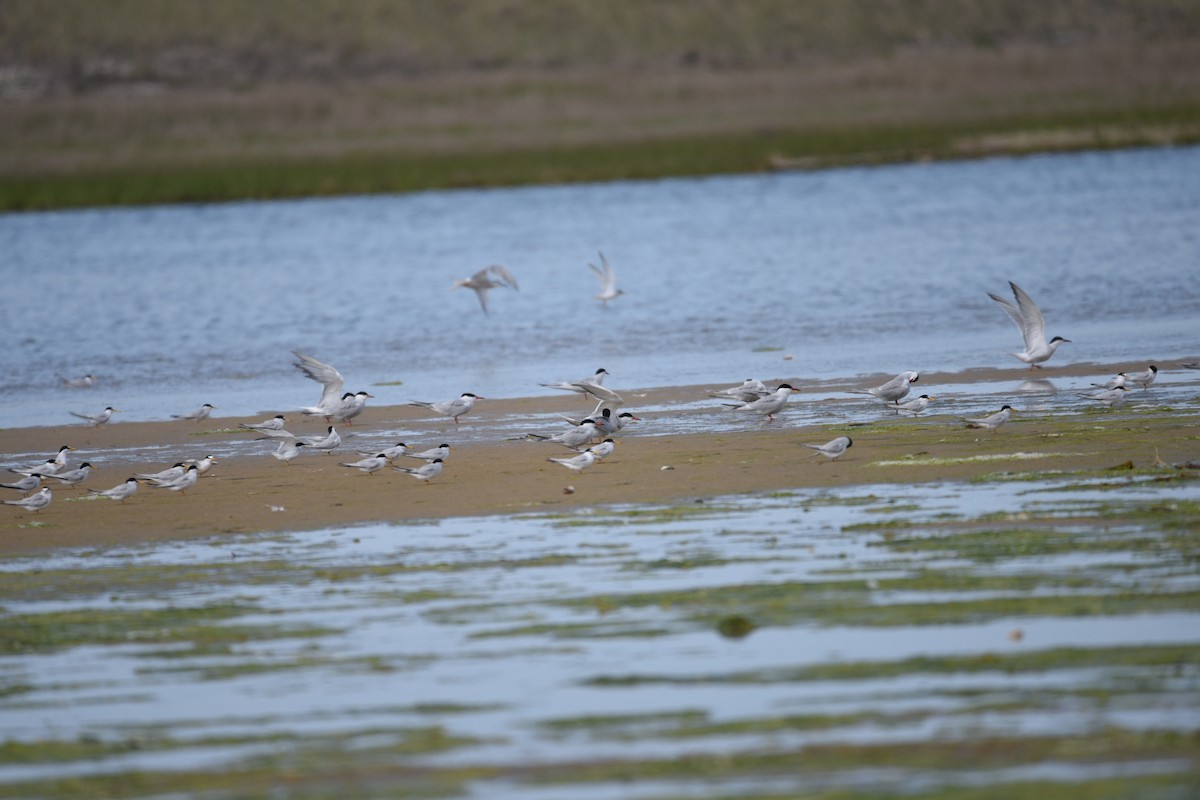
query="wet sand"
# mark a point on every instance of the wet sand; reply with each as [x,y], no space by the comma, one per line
[256,493]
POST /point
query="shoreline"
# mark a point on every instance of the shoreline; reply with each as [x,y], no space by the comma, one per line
[257,494]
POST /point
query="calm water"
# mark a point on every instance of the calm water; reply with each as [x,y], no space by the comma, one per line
[852,271]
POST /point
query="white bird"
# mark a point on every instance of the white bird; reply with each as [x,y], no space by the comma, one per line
[288,449]
[442,451]
[1113,382]
[390,453]
[369,465]
[577,463]
[86,382]
[97,419]
[199,414]
[27,483]
[167,475]
[487,278]
[50,466]
[607,424]
[893,391]
[833,448]
[352,405]
[1144,378]
[425,472]
[275,434]
[72,477]
[181,484]
[603,449]
[992,421]
[608,281]
[580,386]
[35,502]
[605,397]
[202,464]
[120,491]
[331,441]
[1029,320]
[915,406]
[574,438]
[451,408]
[275,423]
[770,405]
[1110,397]
[750,390]
[330,379]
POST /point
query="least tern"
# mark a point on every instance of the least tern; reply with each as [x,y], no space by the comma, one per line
[35,502]
[330,379]
[442,451]
[895,390]
[86,382]
[574,438]
[202,464]
[181,484]
[451,408]
[72,477]
[118,492]
[1110,397]
[833,448]
[288,449]
[750,390]
[425,472]
[770,405]
[603,449]
[1117,380]
[327,443]
[992,421]
[608,281]
[50,466]
[97,419]
[485,279]
[275,423]
[390,453]
[1144,378]
[369,465]
[580,386]
[577,463]
[199,414]
[27,483]
[1029,320]
[169,474]
[915,406]
[352,405]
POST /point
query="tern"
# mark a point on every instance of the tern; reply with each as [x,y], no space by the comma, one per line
[118,492]
[287,450]
[97,419]
[199,414]
[451,408]
[605,397]
[1144,378]
[48,467]
[71,477]
[750,390]
[574,438]
[770,405]
[581,385]
[27,483]
[1117,380]
[203,464]
[603,449]
[181,484]
[35,502]
[369,465]
[992,421]
[273,434]
[608,281]
[831,449]
[275,423]
[86,382]
[166,475]
[1110,397]
[327,443]
[915,406]
[390,453]
[895,390]
[577,463]
[607,424]
[442,451]
[352,405]
[488,278]
[1032,325]
[330,379]
[425,472]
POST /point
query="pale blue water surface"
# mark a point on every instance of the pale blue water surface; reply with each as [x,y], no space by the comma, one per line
[851,271]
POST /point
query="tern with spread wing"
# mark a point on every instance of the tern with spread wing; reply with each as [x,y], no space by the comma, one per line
[580,386]
[608,281]
[488,278]
[331,381]
[1029,320]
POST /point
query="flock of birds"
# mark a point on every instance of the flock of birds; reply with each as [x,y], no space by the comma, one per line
[591,438]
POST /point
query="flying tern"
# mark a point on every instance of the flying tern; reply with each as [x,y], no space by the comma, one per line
[425,472]
[831,449]
[488,278]
[199,414]
[770,405]
[581,385]
[97,419]
[451,408]
[275,423]
[992,421]
[895,390]
[608,281]
[915,406]
[331,381]
[35,502]
[118,492]
[86,382]
[1029,320]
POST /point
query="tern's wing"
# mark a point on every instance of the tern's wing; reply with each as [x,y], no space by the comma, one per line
[323,374]
[503,275]
[1033,325]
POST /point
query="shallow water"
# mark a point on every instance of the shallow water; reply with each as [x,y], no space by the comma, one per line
[851,271]
[535,641]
